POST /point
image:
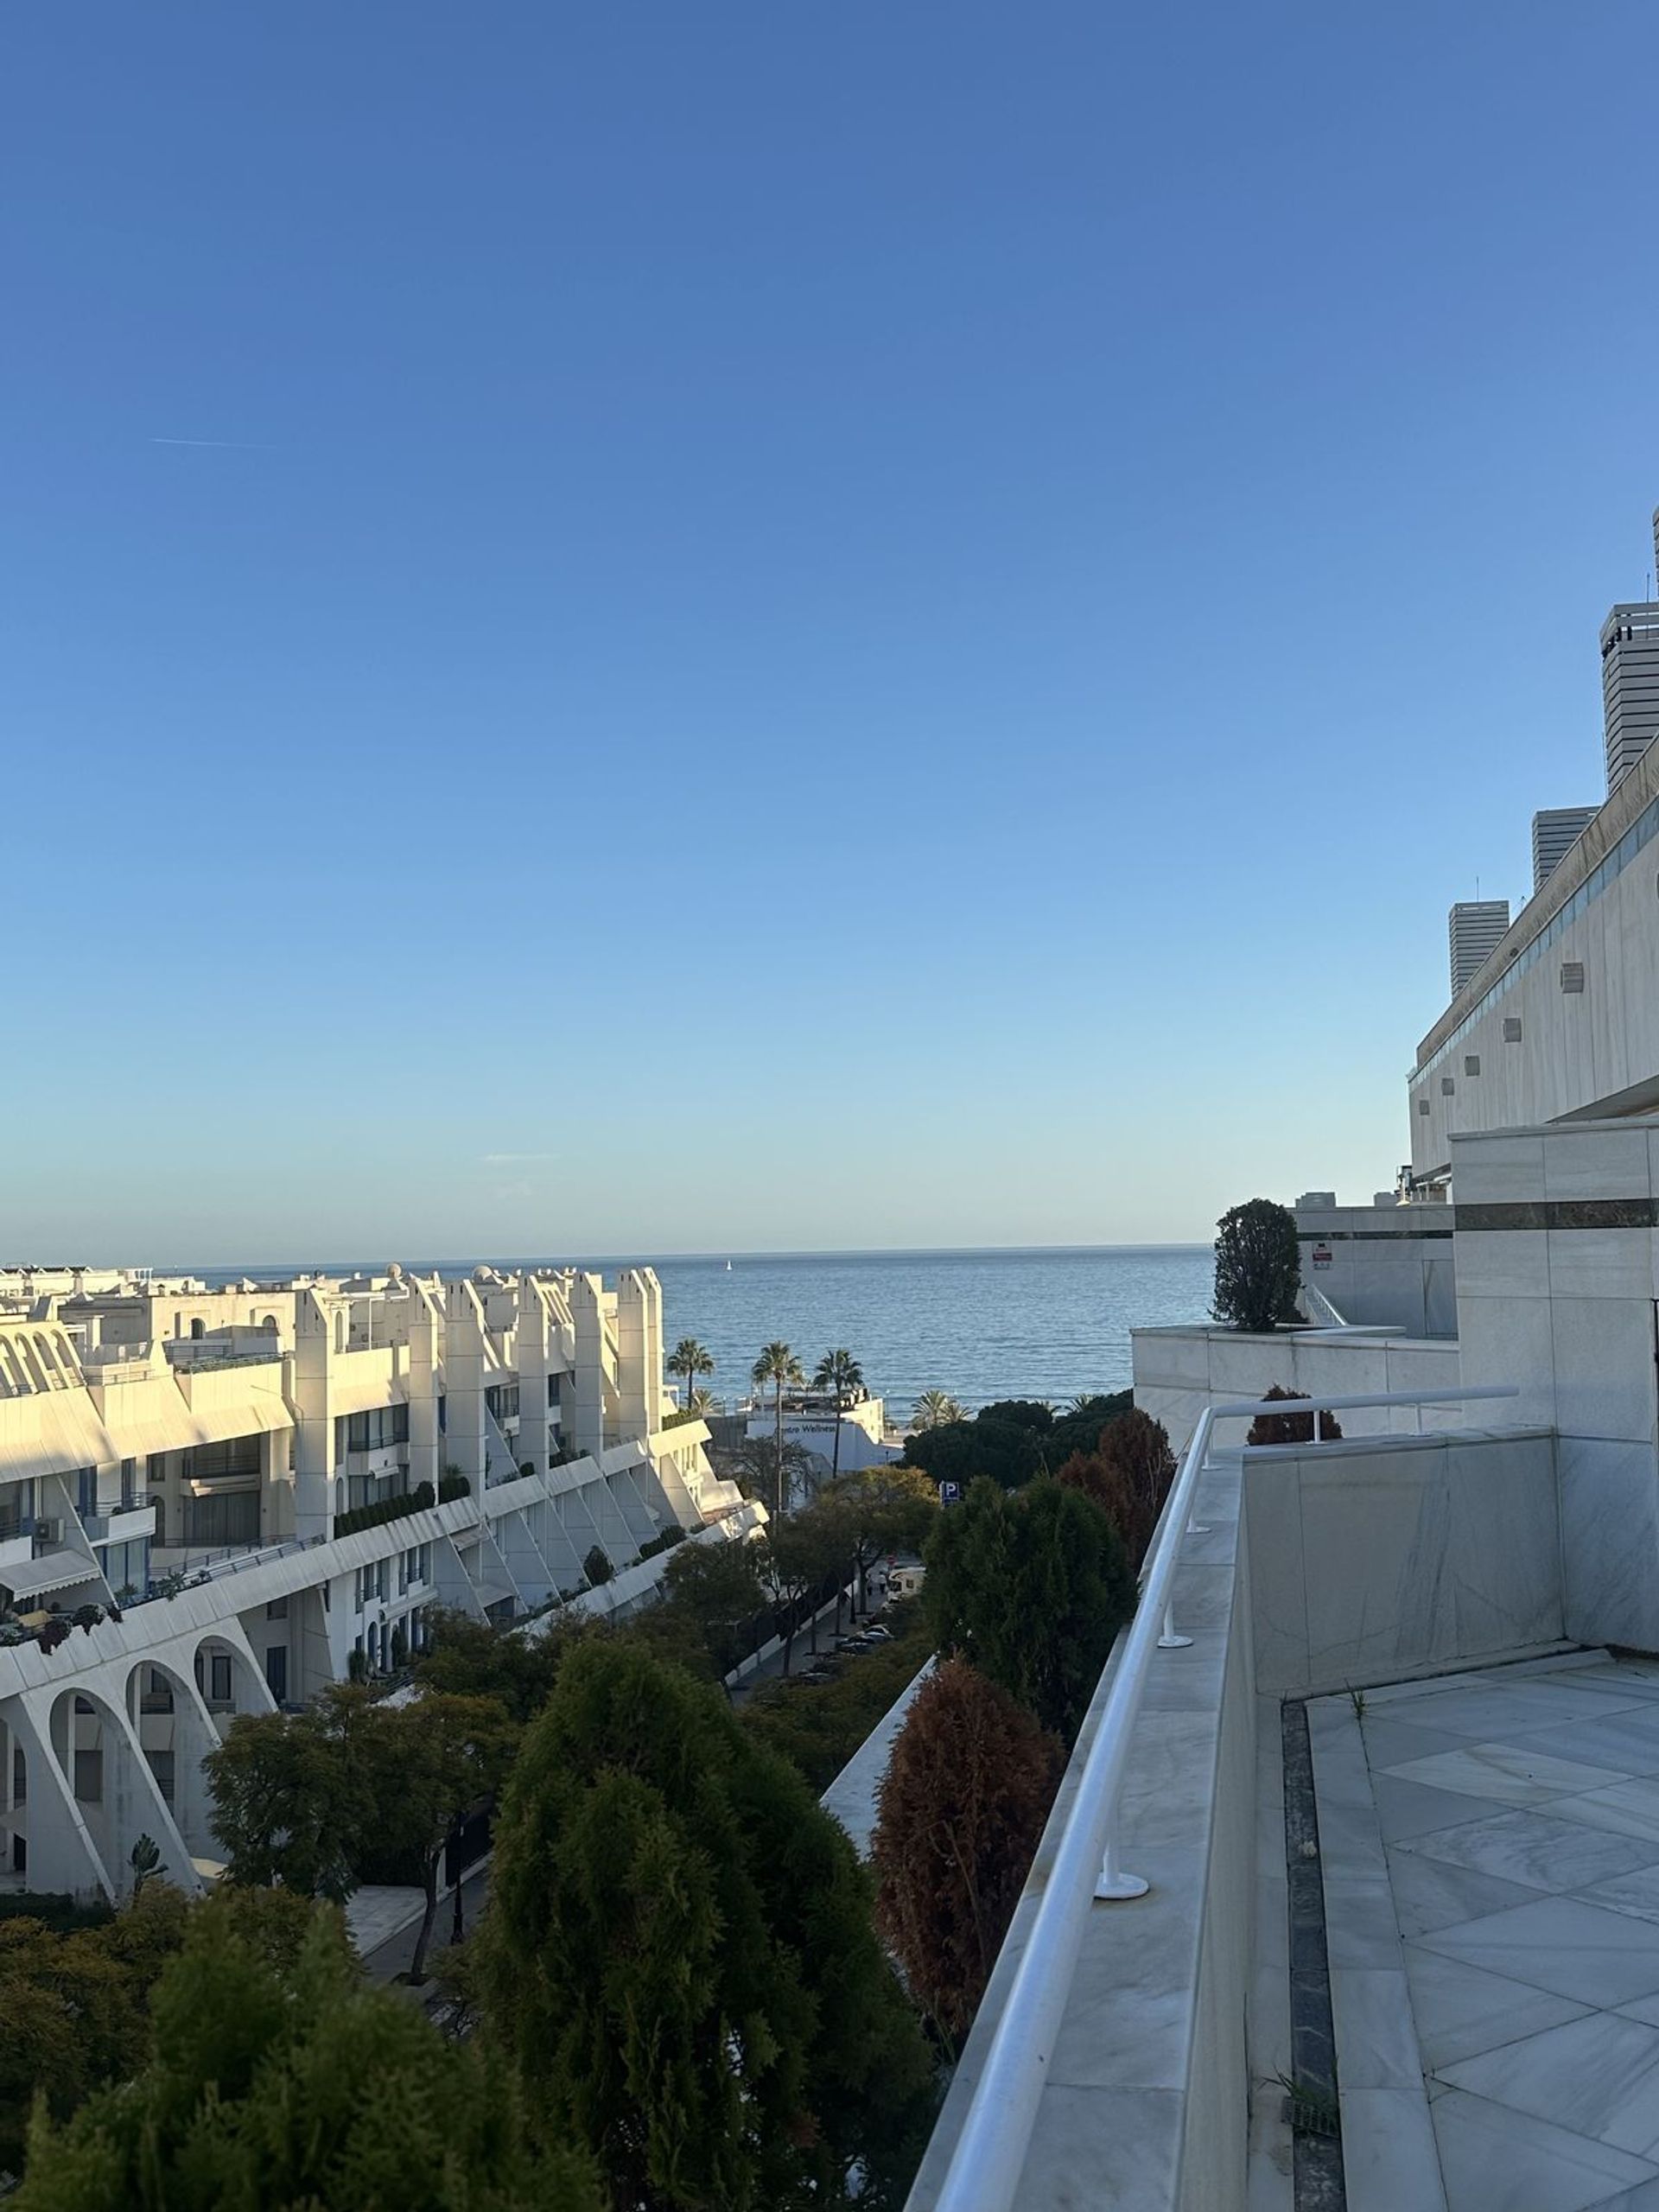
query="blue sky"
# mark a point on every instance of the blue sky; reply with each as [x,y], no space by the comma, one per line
[793,627]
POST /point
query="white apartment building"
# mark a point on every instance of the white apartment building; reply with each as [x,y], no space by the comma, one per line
[220,1501]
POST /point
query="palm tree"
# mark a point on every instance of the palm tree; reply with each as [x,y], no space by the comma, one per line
[700,1401]
[840,1372]
[778,1366]
[690,1359]
[935,1410]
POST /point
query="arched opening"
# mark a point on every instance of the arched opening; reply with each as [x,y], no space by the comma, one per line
[114,1791]
[174,1737]
[227,1684]
[198,1330]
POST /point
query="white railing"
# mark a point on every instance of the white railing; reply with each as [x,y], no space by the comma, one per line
[1319,1308]
[990,2150]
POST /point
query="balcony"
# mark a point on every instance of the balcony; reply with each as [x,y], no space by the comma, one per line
[123,1523]
[1291,1828]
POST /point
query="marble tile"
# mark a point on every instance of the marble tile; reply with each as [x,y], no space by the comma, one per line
[1461,2010]
[1128,2022]
[1390,1743]
[1629,1740]
[1505,1540]
[1377,2040]
[1350,1843]
[1596,1164]
[1101,2146]
[1635,1893]
[1628,1808]
[1495,2159]
[1644,2197]
[1497,1169]
[1504,1709]
[1604,1368]
[1429,1893]
[1502,1263]
[1542,1851]
[1512,1776]
[1600,1262]
[1360,1927]
[1390,2159]
[1598,2076]
[1609,1542]
[1407,1808]
[1559,1944]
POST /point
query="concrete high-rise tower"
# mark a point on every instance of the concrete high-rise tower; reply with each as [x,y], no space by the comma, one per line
[1474,929]
[1553,832]
[1629,680]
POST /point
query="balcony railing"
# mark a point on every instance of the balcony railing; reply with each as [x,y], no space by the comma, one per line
[989,2153]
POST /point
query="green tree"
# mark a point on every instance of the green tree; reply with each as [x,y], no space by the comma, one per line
[1032,1587]
[753,1466]
[888,1508]
[288,1806]
[678,1956]
[839,1374]
[296,2087]
[1078,1428]
[961,1812]
[1035,1413]
[597,1566]
[75,2006]
[1128,1476]
[717,1586]
[1258,1267]
[797,1560]
[690,1360]
[426,1764]
[468,1658]
[935,1410]
[778,1370]
[1010,1452]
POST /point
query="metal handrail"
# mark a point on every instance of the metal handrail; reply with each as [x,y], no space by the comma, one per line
[990,2150]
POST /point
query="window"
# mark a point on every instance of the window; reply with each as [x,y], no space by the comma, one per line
[1422,1106]
[277,1609]
[1447,1088]
[277,1672]
[197,1331]
[1511,1029]
[89,1777]
[217,1522]
[86,1491]
[160,1765]
[237,1456]
[219,1678]
[377,1430]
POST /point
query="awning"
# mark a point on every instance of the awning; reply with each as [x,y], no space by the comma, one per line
[52,1571]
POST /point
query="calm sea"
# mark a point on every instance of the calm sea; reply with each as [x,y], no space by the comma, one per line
[1003,1323]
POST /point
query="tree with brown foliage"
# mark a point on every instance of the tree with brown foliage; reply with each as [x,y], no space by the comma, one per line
[961,1812]
[1291,1428]
[1128,1475]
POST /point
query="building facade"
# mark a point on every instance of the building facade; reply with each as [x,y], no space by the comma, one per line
[1554,832]
[220,1501]
[1474,928]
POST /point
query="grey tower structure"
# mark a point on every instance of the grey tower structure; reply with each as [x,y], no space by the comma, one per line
[1474,928]
[1554,831]
[1629,680]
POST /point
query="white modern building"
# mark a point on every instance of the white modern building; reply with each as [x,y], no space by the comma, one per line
[811,1421]
[1352,1883]
[218,1501]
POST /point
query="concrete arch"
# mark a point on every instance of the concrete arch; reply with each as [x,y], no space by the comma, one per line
[174,1733]
[113,1794]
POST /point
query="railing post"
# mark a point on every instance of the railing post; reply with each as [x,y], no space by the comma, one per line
[1112,1885]
[1169,1641]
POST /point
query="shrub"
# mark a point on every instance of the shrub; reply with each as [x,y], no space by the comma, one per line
[380,1510]
[1009,1452]
[452,1484]
[597,1566]
[961,1812]
[1258,1265]
[1291,1428]
[817,1727]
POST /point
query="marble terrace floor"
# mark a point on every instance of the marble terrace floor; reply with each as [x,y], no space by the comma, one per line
[1490,1850]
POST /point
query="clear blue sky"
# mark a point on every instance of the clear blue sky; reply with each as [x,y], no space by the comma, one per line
[868,625]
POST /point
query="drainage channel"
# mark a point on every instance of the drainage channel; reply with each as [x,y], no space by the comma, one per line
[1311,2104]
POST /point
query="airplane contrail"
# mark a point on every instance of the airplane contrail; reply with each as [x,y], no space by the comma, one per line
[220,445]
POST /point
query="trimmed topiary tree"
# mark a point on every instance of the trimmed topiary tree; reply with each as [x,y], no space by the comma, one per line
[961,1812]
[1258,1267]
[1291,1428]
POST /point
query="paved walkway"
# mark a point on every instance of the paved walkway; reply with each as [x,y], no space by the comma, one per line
[1489,1846]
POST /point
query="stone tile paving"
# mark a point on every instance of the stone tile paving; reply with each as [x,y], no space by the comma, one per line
[1518,1814]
